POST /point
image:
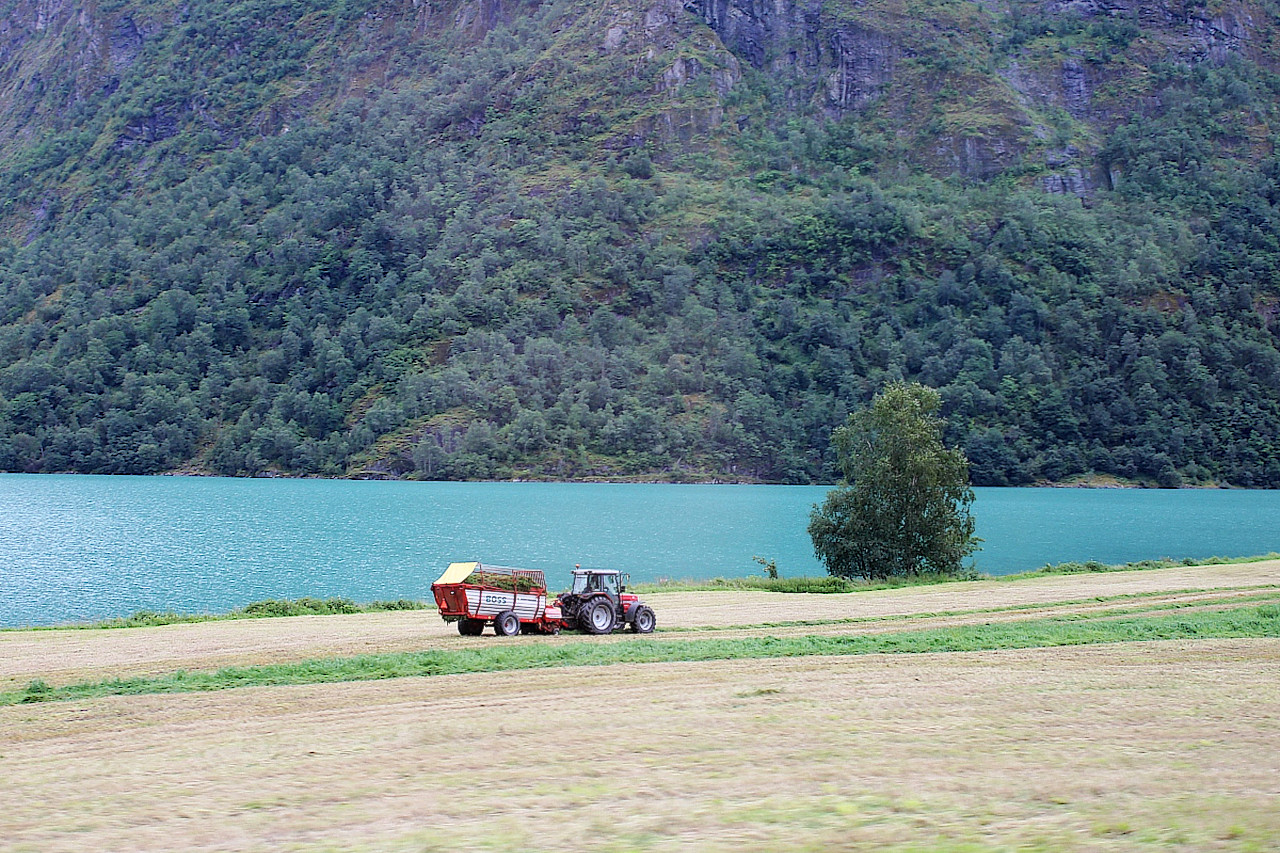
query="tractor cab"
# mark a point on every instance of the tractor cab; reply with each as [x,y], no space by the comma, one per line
[608,581]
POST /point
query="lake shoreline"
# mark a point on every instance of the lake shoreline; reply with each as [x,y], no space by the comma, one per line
[1084,481]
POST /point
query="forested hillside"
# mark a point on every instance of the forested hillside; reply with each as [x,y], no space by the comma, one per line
[598,238]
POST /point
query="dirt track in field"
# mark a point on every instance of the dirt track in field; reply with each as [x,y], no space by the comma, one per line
[75,655]
[1147,746]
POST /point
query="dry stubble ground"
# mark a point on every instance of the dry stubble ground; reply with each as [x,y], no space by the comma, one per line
[1166,745]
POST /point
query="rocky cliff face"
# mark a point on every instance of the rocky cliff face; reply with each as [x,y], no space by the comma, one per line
[879,58]
[966,88]
[847,64]
[78,52]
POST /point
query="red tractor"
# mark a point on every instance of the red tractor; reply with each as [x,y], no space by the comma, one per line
[598,603]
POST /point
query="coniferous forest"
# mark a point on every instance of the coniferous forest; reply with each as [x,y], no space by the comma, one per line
[495,239]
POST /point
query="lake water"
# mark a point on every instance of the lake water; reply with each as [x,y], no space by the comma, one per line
[76,548]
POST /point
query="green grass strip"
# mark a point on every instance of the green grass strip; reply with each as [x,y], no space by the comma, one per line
[1261,621]
[1094,567]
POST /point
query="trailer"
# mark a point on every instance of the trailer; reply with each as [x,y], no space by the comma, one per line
[514,601]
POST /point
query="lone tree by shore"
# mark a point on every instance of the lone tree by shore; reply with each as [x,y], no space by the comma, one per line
[904,506]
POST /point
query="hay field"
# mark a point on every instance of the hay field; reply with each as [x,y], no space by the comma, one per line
[74,655]
[1129,746]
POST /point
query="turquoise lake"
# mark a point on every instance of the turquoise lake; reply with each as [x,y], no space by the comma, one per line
[76,548]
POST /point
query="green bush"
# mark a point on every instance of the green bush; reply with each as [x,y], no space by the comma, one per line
[398,604]
[37,691]
[305,606]
[1077,567]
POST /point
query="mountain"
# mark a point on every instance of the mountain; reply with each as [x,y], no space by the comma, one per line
[492,239]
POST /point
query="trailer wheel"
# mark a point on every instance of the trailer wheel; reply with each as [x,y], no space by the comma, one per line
[506,624]
[596,617]
[644,620]
[470,627]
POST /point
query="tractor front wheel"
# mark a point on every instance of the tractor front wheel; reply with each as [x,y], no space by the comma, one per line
[596,617]
[506,624]
[644,620]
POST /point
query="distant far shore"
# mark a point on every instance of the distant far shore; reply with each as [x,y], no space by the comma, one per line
[1084,481]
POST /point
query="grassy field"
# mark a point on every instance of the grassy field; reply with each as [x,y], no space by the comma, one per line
[793,731]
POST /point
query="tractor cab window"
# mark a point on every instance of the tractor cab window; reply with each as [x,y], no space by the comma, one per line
[595,583]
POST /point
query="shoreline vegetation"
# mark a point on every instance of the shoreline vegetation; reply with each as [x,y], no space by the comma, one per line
[821,585]
[698,478]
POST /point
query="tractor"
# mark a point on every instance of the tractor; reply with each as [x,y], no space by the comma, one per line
[598,603]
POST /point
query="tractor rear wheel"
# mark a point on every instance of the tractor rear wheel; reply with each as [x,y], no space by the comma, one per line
[506,624]
[596,617]
[470,627]
[644,620]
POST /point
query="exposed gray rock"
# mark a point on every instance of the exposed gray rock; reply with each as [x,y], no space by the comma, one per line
[123,44]
[162,123]
[846,67]
[973,156]
[1075,88]
[864,66]
[480,16]
[777,33]
[1192,32]
[1069,182]
[613,38]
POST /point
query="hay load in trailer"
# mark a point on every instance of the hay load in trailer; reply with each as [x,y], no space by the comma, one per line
[514,601]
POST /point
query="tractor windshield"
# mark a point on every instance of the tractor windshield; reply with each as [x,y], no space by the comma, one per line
[595,582]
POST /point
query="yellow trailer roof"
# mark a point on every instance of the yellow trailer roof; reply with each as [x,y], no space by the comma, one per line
[457,572]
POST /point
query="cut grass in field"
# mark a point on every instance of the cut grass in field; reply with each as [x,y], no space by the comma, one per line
[1240,622]
[1157,747]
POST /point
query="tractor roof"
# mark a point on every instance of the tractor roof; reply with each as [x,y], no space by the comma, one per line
[595,571]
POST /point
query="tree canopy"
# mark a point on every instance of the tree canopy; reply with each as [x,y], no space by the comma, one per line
[904,507]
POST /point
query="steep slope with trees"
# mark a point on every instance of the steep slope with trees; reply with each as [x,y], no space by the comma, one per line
[575,239]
